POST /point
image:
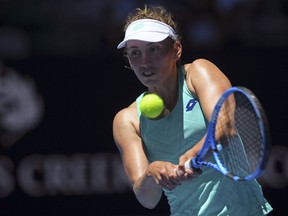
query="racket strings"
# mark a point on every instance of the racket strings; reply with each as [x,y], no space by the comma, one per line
[238,132]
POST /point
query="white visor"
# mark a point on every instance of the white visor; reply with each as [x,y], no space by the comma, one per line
[149,30]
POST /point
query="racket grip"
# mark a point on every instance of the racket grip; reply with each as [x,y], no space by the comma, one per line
[192,164]
[188,165]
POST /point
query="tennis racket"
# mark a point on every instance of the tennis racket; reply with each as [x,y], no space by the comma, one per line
[238,136]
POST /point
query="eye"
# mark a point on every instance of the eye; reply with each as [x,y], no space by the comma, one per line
[155,48]
[133,53]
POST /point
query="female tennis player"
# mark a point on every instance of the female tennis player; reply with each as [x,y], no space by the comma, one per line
[154,150]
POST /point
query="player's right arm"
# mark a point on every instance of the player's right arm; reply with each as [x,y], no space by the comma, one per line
[126,134]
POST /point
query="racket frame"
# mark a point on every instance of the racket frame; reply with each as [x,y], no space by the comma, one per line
[197,162]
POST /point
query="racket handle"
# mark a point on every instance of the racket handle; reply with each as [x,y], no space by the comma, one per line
[192,164]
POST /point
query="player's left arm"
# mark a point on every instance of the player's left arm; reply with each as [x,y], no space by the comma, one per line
[205,80]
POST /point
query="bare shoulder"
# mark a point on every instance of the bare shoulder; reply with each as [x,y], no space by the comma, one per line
[202,66]
[202,73]
[126,120]
[207,82]
[126,115]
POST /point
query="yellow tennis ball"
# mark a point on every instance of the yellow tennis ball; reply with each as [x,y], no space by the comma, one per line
[151,105]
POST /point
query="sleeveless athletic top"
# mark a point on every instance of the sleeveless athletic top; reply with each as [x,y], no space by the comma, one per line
[211,193]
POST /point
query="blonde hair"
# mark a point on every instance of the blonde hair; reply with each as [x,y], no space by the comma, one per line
[152,12]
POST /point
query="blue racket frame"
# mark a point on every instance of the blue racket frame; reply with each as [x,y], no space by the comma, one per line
[197,162]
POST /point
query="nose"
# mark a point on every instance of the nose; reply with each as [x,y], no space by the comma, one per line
[145,60]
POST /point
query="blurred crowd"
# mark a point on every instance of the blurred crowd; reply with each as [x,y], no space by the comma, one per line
[91,27]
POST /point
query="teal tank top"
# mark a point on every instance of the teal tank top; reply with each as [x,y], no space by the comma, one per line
[212,193]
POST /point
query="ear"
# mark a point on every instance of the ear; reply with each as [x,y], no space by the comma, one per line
[178,49]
